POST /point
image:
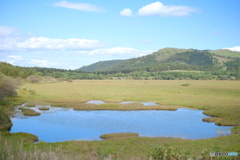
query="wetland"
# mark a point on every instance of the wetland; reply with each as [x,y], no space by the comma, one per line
[169,102]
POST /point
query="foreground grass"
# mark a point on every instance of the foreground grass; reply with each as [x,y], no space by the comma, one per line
[217,98]
[135,148]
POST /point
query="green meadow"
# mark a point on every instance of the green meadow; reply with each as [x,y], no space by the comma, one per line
[219,99]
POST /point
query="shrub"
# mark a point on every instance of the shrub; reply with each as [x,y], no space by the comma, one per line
[8,87]
[185,84]
[34,79]
[167,152]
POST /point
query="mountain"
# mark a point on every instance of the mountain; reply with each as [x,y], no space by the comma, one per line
[167,59]
[100,66]
[167,64]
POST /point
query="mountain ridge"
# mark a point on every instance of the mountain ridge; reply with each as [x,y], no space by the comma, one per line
[166,56]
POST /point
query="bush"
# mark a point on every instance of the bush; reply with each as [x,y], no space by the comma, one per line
[8,87]
[167,152]
[34,79]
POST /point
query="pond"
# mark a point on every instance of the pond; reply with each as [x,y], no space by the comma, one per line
[59,124]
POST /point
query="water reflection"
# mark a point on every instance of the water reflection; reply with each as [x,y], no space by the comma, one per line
[60,124]
[95,102]
[144,103]
[149,104]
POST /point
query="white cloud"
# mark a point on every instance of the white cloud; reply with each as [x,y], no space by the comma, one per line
[236,48]
[159,9]
[118,51]
[6,31]
[26,50]
[58,44]
[79,6]
[10,40]
[40,63]
[14,59]
[26,61]
[126,12]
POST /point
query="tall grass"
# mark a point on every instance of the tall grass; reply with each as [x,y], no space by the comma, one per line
[16,151]
[133,148]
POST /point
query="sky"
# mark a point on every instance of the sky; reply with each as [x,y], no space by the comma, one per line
[75,33]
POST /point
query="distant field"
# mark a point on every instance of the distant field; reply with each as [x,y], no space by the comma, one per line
[218,98]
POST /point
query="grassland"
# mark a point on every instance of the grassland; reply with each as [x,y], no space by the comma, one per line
[217,98]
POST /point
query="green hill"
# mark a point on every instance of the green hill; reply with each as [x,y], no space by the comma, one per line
[161,60]
[100,66]
[168,59]
[167,63]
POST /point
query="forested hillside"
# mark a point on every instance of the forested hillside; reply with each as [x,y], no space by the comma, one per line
[170,59]
[167,63]
[100,66]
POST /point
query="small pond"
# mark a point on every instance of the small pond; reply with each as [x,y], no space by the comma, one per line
[59,124]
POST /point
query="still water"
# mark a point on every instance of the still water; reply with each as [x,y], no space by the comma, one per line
[59,124]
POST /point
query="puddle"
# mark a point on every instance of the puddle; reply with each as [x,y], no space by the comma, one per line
[95,102]
[149,104]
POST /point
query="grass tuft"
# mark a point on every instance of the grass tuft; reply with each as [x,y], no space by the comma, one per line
[119,135]
[29,112]
[44,108]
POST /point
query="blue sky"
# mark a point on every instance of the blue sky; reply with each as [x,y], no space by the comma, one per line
[71,34]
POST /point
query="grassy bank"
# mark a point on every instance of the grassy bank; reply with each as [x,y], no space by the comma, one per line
[217,98]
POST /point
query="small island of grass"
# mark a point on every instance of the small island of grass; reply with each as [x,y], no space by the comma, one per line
[119,135]
[44,108]
[29,112]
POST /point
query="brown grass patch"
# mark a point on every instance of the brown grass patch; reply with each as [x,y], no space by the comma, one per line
[29,112]
[43,108]
[119,135]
